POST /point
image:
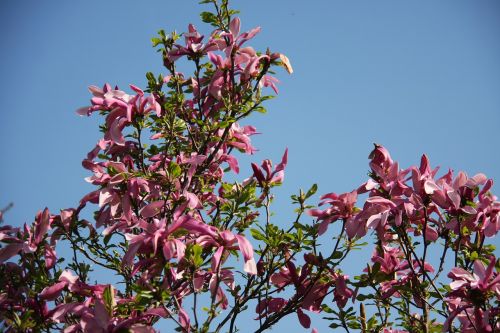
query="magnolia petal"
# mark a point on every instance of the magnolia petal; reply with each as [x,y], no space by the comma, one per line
[233,163]
[430,187]
[115,131]
[141,328]
[9,251]
[58,313]
[431,234]
[128,258]
[323,227]
[286,63]
[42,225]
[50,256]
[67,276]
[84,111]
[245,247]
[184,320]
[304,319]
[250,267]
[457,284]
[234,26]
[152,209]
[52,292]
[105,196]
[479,269]
[216,259]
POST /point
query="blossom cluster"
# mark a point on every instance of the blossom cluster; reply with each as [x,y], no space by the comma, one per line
[412,209]
[166,221]
[189,247]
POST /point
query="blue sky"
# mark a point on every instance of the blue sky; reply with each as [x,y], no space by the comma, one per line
[417,77]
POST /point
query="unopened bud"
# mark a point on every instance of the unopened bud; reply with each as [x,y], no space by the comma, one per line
[362,317]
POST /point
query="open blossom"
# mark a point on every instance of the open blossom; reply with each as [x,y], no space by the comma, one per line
[94,316]
[122,108]
[66,279]
[341,207]
[342,292]
[194,46]
[31,238]
[239,137]
[390,259]
[169,226]
[386,172]
[484,279]
[225,241]
[469,293]
[311,290]
[472,319]
[12,245]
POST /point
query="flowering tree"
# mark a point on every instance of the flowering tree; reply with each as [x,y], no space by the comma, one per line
[188,246]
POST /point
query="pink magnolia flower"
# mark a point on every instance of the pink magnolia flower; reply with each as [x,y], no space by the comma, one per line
[158,235]
[42,226]
[312,292]
[184,320]
[271,177]
[341,207]
[225,276]
[402,274]
[66,279]
[224,241]
[269,81]
[389,259]
[50,256]
[13,244]
[374,215]
[385,173]
[472,319]
[239,137]
[270,305]
[342,293]
[232,40]
[483,279]
[422,176]
[194,46]
[122,108]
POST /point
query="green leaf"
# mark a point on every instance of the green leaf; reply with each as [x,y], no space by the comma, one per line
[174,169]
[197,259]
[265,98]
[261,109]
[107,238]
[256,234]
[337,254]
[354,325]
[151,77]
[362,297]
[312,190]
[155,41]
[208,17]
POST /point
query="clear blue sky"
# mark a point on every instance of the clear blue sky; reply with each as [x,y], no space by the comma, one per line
[414,76]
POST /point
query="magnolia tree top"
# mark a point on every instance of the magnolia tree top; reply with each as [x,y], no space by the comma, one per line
[191,248]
